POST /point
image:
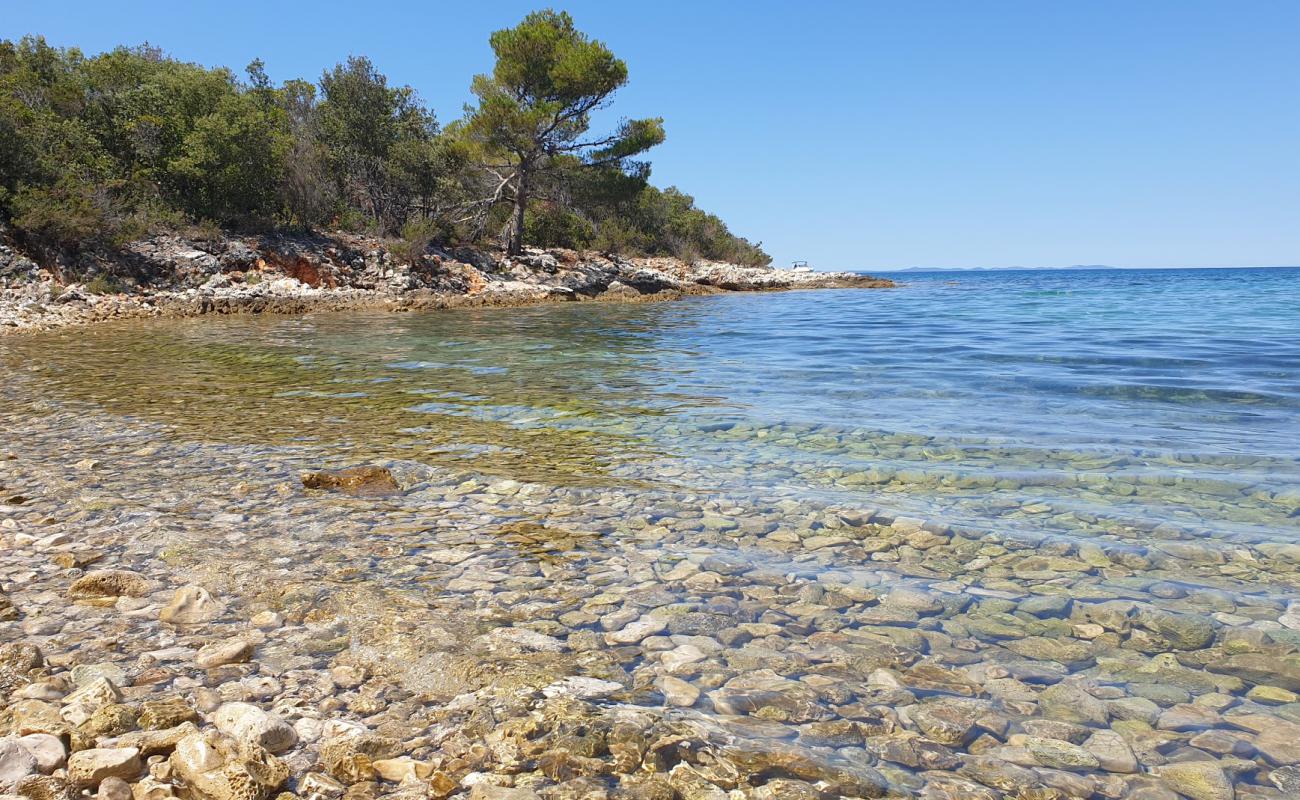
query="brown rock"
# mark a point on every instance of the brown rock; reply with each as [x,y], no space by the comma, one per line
[108,583]
[367,481]
[215,767]
[44,787]
[89,767]
[167,712]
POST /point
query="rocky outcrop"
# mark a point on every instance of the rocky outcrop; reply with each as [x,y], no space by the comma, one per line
[170,275]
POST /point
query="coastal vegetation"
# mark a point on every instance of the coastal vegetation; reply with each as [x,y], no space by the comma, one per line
[98,150]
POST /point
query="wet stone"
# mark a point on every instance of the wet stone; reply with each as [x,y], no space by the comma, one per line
[363,481]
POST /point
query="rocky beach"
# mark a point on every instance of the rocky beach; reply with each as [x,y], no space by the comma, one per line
[399,403]
[288,570]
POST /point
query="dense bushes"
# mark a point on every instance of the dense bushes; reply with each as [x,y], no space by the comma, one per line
[96,150]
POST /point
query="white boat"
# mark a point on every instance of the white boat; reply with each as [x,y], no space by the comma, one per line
[800,266]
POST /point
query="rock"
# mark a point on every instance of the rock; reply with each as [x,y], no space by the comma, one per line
[582,687]
[83,674]
[765,694]
[1069,702]
[156,742]
[1287,779]
[397,770]
[89,767]
[1181,631]
[1198,780]
[999,774]
[8,612]
[114,788]
[831,733]
[17,661]
[109,720]
[637,630]
[365,481]
[45,787]
[1188,717]
[677,692]
[267,620]
[1043,648]
[49,752]
[216,767]
[840,778]
[1049,605]
[220,653]
[525,639]
[1277,740]
[16,763]
[786,789]
[37,716]
[1272,695]
[351,758]
[1111,751]
[245,722]
[1279,744]
[1281,671]
[318,785]
[108,583]
[910,599]
[948,721]
[167,712]
[98,692]
[698,623]
[191,605]
[486,791]
[1059,754]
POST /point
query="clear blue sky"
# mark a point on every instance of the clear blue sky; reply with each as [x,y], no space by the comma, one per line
[870,134]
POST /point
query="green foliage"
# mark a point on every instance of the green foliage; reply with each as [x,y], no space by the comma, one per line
[553,225]
[97,150]
[229,166]
[417,235]
[104,284]
[66,214]
[372,133]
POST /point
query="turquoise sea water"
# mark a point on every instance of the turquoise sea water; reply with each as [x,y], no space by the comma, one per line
[1144,396]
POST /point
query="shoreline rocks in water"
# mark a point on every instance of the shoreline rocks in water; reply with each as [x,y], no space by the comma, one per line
[170,276]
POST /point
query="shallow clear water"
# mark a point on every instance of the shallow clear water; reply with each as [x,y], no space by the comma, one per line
[1103,399]
[781,465]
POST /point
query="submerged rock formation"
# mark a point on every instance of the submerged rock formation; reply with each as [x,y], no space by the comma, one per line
[364,481]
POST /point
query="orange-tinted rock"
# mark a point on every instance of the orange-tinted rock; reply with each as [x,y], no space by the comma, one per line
[362,481]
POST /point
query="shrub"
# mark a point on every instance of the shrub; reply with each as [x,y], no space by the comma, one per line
[104,284]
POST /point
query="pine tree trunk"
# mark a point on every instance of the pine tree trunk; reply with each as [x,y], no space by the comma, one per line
[516,246]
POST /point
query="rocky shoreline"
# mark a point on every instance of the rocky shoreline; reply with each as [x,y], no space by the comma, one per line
[171,276]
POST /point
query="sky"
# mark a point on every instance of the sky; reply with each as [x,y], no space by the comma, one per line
[867,135]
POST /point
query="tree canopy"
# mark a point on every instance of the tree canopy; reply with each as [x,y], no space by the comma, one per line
[96,150]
